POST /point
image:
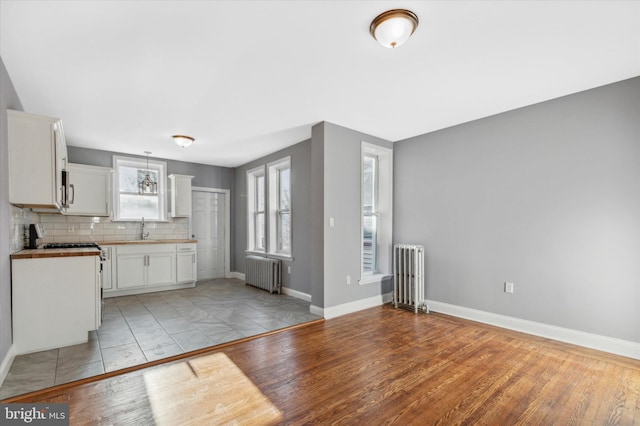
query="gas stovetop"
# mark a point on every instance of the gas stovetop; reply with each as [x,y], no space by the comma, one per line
[70,245]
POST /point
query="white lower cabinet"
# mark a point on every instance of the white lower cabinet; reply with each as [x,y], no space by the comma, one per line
[186,256]
[132,269]
[56,301]
[143,268]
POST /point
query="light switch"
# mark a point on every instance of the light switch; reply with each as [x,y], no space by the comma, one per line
[331,222]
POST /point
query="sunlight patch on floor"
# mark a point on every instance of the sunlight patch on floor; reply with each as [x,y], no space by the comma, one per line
[207,390]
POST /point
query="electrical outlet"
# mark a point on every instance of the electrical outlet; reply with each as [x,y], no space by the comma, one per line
[289,269]
[348,279]
[508,288]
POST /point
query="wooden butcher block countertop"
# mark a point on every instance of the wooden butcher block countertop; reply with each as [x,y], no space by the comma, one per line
[113,243]
[64,252]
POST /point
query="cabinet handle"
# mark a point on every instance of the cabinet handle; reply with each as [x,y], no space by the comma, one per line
[73,193]
[193,258]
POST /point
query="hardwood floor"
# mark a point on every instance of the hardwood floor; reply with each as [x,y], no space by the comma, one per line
[378,366]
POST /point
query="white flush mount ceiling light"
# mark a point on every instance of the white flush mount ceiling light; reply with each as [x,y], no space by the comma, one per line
[183,141]
[393,27]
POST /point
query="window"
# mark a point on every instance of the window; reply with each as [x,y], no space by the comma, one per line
[369,212]
[269,209]
[256,204]
[129,204]
[376,186]
[280,207]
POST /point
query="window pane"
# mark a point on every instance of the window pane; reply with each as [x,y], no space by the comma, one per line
[259,231]
[369,184]
[130,176]
[369,241]
[260,193]
[128,179]
[285,189]
[284,227]
[138,206]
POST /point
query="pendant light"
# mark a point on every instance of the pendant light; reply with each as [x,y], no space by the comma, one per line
[393,27]
[183,141]
[147,186]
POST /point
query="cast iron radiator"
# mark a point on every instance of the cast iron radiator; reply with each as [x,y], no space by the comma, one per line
[264,273]
[408,277]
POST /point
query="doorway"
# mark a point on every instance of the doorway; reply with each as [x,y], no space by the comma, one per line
[210,226]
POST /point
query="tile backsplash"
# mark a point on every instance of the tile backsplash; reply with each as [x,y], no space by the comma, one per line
[73,229]
[20,219]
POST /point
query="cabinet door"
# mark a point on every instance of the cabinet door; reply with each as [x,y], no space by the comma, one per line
[37,150]
[91,191]
[186,266]
[161,268]
[60,152]
[131,270]
[180,195]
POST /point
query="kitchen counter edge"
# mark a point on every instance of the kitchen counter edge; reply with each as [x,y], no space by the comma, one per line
[133,242]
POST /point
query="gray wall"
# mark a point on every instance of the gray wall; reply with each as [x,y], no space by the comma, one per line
[8,99]
[317,215]
[300,277]
[546,197]
[204,175]
[342,176]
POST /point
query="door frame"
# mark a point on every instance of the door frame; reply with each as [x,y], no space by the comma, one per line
[227,223]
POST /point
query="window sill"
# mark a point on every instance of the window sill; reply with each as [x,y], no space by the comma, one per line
[270,255]
[373,279]
[280,256]
[139,221]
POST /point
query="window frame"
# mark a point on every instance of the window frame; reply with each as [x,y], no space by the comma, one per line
[253,176]
[371,214]
[276,211]
[160,167]
[383,213]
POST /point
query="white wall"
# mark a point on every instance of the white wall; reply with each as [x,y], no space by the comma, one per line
[8,99]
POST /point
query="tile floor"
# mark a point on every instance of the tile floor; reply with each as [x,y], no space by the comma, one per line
[147,327]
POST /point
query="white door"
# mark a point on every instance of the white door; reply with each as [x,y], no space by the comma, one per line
[208,210]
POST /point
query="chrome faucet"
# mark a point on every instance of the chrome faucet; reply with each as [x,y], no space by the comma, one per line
[143,235]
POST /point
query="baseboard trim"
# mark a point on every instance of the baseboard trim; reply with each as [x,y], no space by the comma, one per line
[580,338]
[350,307]
[5,366]
[297,294]
[237,275]
[316,310]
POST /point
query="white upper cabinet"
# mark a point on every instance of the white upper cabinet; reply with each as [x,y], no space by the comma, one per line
[91,190]
[180,187]
[37,161]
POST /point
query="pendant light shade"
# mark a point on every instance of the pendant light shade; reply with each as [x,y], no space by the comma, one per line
[394,27]
[183,141]
[147,186]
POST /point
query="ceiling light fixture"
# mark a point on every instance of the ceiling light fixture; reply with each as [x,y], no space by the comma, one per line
[183,141]
[146,186]
[393,27]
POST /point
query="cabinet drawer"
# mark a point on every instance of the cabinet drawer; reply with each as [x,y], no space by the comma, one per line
[185,247]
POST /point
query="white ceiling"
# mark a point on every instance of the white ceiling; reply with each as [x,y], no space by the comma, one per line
[246,78]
